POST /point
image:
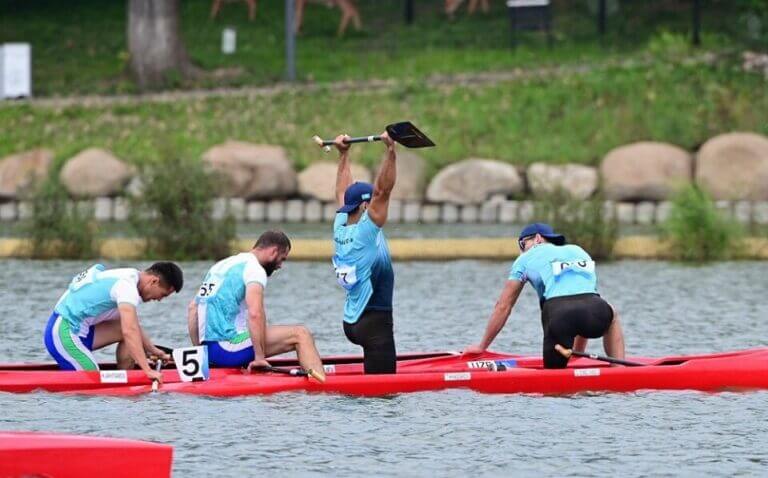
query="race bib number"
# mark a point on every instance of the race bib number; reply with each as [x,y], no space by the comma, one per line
[346,275]
[208,289]
[192,363]
[86,277]
[578,266]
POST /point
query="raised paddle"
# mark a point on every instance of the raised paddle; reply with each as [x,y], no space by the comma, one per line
[567,353]
[403,132]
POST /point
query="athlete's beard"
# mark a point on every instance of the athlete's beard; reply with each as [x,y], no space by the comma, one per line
[270,267]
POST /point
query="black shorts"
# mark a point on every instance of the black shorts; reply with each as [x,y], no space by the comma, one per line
[563,318]
[373,332]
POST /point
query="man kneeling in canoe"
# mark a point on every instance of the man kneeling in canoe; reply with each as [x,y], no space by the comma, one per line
[227,314]
[571,310]
[99,309]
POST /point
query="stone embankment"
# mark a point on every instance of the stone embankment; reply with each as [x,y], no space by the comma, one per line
[261,185]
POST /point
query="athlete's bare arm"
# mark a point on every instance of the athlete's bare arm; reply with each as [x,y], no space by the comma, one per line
[500,314]
[383,185]
[192,324]
[257,323]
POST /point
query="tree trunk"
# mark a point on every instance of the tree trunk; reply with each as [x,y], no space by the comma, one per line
[154,42]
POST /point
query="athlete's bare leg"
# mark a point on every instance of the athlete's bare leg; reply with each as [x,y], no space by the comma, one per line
[108,333]
[285,338]
[613,340]
[580,344]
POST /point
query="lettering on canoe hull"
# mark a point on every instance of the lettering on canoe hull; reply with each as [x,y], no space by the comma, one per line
[586,372]
[457,376]
[113,376]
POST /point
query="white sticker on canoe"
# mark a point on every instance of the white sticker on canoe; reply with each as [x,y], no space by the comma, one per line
[329,368]
[457,377]
[586,372]
[113,376]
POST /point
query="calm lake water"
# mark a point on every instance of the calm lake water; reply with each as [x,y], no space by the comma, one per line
[666,309]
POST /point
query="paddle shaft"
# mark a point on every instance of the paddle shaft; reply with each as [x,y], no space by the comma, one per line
[569,352]
[285,371]
[359,139]
[158,368]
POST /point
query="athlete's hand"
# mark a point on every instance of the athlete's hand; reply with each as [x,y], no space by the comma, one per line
[257,364]
[387,140]
[340,144]
[158,354]
[476,349]
[154,375]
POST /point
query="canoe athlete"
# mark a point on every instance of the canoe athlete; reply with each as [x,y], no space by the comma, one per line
[99,309]
[362,261]
[228,316]
[565,279]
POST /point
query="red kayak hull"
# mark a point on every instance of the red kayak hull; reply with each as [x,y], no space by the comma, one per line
[739,370]
[24,454]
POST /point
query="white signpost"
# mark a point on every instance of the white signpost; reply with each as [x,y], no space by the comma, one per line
[15,70]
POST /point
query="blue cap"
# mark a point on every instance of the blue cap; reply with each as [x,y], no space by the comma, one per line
[544,230]
[355,195]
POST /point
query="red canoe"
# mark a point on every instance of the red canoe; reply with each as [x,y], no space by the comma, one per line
[739,370]
[24,454]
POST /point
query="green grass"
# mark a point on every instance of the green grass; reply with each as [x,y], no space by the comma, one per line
[577,118]
[79,46]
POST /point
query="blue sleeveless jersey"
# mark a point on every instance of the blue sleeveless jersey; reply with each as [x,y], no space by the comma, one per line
[363,266]
[556,271]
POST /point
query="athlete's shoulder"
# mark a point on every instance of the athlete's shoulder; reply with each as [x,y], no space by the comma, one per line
[125,273]
[577,250]
[254,271]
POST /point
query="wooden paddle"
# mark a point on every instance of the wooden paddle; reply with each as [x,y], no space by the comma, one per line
[296,372]
[567,353]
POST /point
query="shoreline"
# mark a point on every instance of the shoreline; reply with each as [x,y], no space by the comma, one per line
[627,247]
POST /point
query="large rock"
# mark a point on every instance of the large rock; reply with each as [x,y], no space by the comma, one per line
[578,181]
[734,166]
[318,180]
[645,171]
[471,181]
[95,172]
[411,176]
[252,170]
[19,171]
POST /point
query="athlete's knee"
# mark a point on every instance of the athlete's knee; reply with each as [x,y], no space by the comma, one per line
[302,334]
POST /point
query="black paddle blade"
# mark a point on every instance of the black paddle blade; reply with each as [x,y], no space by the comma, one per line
[408,135]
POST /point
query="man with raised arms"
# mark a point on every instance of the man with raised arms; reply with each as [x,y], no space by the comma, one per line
[362,260]
[99,309]
[228,316]
[565,279]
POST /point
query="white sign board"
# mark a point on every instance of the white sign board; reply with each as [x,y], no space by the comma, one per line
[192,363]
[15,70]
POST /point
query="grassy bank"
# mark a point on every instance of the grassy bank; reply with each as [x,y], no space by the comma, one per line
[79,46]
[575,118]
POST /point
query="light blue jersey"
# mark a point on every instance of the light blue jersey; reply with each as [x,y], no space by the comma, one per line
[363,266]
[556,271]
[94,294]
[222,312]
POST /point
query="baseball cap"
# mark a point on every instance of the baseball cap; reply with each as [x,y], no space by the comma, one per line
[545,230]
[356,194]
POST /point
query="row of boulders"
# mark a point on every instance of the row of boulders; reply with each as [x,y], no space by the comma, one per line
[731,166]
